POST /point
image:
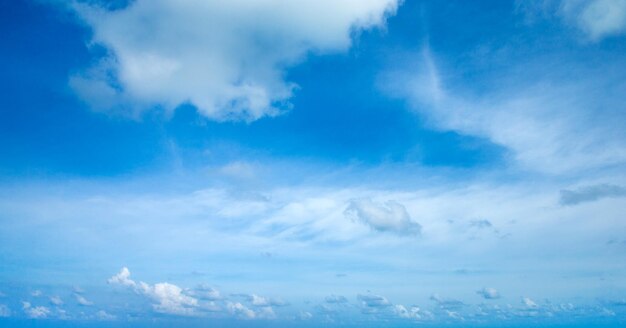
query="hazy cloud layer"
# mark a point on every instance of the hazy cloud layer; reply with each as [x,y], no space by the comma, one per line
[591,193]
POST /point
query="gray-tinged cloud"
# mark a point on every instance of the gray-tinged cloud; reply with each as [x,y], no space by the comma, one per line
[228,58]
[205,292]
[373,303]
[481,224]
[335,299]
[591,193]
[447,303]
[390,216]
[489,293]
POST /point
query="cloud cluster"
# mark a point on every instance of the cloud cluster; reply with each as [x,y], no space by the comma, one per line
[227,58]
[390,216]
[171,299]
[35,312]
[168,298]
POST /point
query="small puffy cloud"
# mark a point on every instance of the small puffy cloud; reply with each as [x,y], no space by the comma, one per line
[36,293]
[529,303]
[82,300]
[335,299]
[227,58]
[56,300]
[122,278]
[591,193]
[37,312]
[390,216]
[488,293]
[5,312]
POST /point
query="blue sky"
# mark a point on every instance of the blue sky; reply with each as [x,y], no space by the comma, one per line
[313,163]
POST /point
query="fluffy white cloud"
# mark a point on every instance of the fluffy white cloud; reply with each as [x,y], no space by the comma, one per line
[37,312]
[122,278]
[228,58]
[56,300]
[414,312]
[529,303]
[82,300]
[169,298]
[390,216]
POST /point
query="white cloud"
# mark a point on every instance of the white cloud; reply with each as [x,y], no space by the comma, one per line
[38,312]
[239,310]
[413,312]
[82,300]
[489,293]
[5,312]
[548,125]
[36,293]
[169,298]
[228,58]
[390,216]
[529,303]
[122,278]
[56,300]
